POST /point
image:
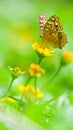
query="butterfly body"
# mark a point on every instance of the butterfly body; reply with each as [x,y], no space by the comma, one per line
[52,32]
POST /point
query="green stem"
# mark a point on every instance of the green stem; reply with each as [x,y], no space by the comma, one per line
[35,88]
[22,96]
[28,81]
[39,60]
[21,100]
[10,86]
[53,76]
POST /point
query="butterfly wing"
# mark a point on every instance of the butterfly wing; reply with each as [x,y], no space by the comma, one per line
[61,40]
[52,25]
[56,40]
[51,39]
[52,33]
[42,22]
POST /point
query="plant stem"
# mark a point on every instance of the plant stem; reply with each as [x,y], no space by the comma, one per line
[53,76]
[27,81]
[10,86]
[22,96]
[39,60]
[35,88]
[21,100]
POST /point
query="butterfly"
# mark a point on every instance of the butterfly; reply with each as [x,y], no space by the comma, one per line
[51,31]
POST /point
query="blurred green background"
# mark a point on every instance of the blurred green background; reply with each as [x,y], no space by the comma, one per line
[19,28]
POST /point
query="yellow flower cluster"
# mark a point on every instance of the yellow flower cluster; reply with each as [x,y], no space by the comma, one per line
[67,57]
[29,92]
[8,99]
[35,69]
[42,50]
[16,71]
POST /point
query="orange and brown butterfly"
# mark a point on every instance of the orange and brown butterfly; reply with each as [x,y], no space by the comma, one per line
[51,31]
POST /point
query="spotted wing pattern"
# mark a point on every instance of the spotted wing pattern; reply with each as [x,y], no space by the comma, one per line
[51,32]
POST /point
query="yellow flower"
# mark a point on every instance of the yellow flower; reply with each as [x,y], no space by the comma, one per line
[35,46]
[48,52]
[67,57]
[8,99]
[35,69]
[16,72]
[42,50]
[29,92]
